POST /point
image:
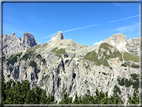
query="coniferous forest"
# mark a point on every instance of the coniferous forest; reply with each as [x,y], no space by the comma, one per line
[20,93]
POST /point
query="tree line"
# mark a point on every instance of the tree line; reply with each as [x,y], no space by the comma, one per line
[20,93]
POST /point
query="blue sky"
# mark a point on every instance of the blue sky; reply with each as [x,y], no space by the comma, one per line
[85,23]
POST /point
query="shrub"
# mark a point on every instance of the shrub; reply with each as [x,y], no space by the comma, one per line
[47,76]
[29,54]
[86,81]
[135,66]
[39,56]
[128,83]
[121,81]
[33,64]
[117,89]
[135,76]
[43,60]
[8,76]
[104,73]
[13,58]
[10,68]
[124,65]
[87,66]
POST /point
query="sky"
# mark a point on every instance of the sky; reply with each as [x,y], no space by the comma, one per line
[84,23]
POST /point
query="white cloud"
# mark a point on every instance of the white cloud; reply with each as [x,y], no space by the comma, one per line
[123,18]
[97,43]
[128,28]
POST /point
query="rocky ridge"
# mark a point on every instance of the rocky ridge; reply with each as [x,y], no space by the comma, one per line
[120,41]
[64,65]
[12,44]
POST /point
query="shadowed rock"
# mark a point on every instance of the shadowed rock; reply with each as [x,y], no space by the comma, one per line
[28,40]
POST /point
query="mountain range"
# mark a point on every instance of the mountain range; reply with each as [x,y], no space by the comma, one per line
[12,44]
[61,65]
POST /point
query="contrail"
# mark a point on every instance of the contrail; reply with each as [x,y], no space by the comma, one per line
[80,28]
[123,19]
[90,26]
[49,35]
[71,30]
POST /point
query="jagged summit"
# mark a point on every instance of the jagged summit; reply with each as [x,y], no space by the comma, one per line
[28,40]
[58,36]
[64,65]
[12,44]
[118,41]
[118,38]
[13,34]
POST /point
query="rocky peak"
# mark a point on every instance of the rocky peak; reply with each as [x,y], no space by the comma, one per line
[12,44]
[118,38]
[6,37]
[60,35]
[118,41]
[28,40]
[13,34]
[57,37]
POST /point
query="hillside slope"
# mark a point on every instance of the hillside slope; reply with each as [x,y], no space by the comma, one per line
[65,66]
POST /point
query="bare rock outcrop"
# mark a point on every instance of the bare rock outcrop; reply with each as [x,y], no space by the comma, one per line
[120,42]
[28,40]
[12,44]
[133,46]
[59,36]
[66,66]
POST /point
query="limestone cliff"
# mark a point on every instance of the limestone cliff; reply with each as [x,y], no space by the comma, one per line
[12,44]
[64,65]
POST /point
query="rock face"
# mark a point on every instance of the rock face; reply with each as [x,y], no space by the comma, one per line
[133,46]
[120,42]
[59,36]
[12,44]
[64,65]
[28,40]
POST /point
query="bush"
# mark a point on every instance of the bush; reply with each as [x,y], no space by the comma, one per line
[10,68]
[104,73]
[87,66]
[128,83]
[135,66]
[121,81]
[8,76]
[124,65]
[86,81]
[33,64]
[39,56]
[13,58]
[43,60]
[117,89]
